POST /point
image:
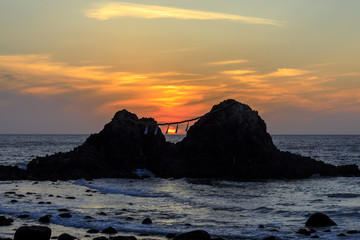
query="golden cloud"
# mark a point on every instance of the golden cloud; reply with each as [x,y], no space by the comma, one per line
[173,95]
[111,10]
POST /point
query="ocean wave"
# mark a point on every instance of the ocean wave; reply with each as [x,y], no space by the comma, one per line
[129,190]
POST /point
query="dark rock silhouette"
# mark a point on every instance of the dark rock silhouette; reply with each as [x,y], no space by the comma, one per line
[194,235]
[32,232]
[4,221]
[66,236]
[229,141]
[319,220]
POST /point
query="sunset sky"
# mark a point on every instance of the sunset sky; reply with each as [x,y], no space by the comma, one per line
[67,66]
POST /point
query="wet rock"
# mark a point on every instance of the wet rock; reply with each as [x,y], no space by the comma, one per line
[65,215]
[319,220]
[147,221]
[4,221]
[63,210]
[270,238]
[194,235]
[93,231]
[304,232]
[100,238]
[315,236]
[66,236]
[89,217]
[70,197]
[23,216]
[5,238]
[12,173]
[102,214]
[352,232]
[32,232]
[261,226]
[170,235]
[14,201]
[327,230]
[109,230]
[341,235]
[123,238]
[45,219]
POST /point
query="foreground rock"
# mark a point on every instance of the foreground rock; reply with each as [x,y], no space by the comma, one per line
[229,141]
[32,232]
[319,220]
[194,235]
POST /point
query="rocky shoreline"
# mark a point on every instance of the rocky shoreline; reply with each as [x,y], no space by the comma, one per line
[316,224]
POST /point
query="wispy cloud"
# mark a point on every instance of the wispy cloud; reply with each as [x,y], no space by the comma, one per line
[228,62]
[111,10]
[238,72]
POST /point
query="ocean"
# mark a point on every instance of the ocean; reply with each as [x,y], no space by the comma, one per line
[227,209]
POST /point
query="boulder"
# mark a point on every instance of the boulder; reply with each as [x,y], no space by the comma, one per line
[194,235]
[123,238]
[4,221]
[66,236]
[109,230]
[65,215]
[319,220]
[32,232]
[147,221]
[45,219]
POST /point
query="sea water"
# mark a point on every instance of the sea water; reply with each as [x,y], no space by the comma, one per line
[229,209]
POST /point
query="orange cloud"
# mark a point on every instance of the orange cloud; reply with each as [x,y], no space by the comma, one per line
[173,95]
[229,62]
[237,72]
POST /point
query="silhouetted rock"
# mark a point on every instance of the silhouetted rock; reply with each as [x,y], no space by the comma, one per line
[32,232]
[270,238]
[319,220]
[193,235]
[147,221]
[100,238]
[66,236]
[170,235]
[229,141]
[4,221]
[123,238]
[304,232]
[93,231]
[44,219]
[65,215]
[109,230]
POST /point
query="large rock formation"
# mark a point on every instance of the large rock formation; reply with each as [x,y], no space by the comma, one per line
[229,141]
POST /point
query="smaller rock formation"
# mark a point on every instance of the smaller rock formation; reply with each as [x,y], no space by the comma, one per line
[147,221]
[319,220]
[194,235]
[109,230]
[66,236]
[4,221]
[32,232]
